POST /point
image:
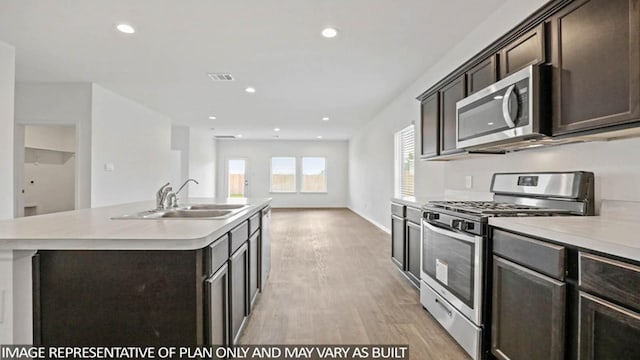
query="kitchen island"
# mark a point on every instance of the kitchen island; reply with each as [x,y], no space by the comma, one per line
[86,278]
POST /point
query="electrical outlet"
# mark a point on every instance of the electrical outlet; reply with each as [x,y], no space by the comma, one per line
[468,181]
[109,167]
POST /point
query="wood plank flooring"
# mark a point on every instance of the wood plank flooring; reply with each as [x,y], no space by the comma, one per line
[332,282]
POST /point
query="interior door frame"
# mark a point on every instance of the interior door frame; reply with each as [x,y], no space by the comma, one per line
[247,178]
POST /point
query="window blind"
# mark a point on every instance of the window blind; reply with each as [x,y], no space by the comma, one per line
[406,149]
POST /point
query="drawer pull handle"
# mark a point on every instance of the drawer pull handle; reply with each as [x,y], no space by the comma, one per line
[444,307]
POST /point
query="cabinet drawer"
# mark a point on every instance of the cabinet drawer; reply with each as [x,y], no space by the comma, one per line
[414,215]
[254,223]
[610,278]
[398,210]
[537,255]
[239,235]
[216,255]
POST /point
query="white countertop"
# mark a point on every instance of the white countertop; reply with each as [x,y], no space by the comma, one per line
[93,229]
[603,234]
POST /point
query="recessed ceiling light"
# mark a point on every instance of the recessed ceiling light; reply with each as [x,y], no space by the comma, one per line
[326,118]
[250,90]
[212,117]
[329,32]
[319,137]
[239,135]
[276,129]
[125,28]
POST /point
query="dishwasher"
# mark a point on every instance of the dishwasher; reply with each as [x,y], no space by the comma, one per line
[266,247]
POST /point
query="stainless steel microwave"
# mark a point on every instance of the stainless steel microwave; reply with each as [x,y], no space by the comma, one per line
[508,111]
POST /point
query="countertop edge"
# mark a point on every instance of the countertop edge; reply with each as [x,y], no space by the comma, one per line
[582,242]
[218,230]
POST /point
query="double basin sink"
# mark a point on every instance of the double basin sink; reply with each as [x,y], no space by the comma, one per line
[195,211]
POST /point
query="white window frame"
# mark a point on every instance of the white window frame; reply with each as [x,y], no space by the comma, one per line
[326,178]
[398,145]
[295,175]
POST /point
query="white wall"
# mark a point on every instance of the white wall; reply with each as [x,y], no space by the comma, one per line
[136,140]
[180,156]
[57,138]
[259,154]
[202,163]
[49,180]
[371,150]
[7,86]
[60,104]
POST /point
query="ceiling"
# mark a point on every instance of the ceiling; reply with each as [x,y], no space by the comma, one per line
[272,45]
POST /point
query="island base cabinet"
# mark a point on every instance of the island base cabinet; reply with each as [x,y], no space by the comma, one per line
[118,298]
[254,268]
[607,331]
[217,307]
[239,268]
[528,314]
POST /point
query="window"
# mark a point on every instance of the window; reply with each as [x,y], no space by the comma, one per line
[283,174]
[314,174]
[405,162]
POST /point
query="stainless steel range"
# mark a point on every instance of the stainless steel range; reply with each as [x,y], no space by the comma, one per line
[455,258]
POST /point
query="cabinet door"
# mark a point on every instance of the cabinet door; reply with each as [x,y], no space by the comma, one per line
[522,52]
[449,96]
[528,314]
[430,128]
[254,268]
[217,307]
[398,241]
[413,252]
[596,65]
[482,75]
[607,331]
[239,263]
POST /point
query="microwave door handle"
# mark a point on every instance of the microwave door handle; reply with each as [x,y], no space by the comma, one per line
[505,107]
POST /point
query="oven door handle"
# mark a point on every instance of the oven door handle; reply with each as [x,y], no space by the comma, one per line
[453,234]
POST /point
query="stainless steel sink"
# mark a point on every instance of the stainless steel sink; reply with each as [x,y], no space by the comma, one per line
[193,211]
[212,207]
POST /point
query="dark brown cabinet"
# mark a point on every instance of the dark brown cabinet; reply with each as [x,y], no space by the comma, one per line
[254,268]
[528,49]
[238,290]
[596,65]
[430,127]
[217,307]
[413,252]
[482,75]
[528,313]
[609,322]
[398,241]
[607,331]
[449,95]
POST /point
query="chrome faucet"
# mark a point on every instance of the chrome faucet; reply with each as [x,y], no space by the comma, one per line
[173,197]
[161,196]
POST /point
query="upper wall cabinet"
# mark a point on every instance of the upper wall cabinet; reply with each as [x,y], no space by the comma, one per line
[449,96]
[430,127]
[482,75]
[596,65]
[526,50]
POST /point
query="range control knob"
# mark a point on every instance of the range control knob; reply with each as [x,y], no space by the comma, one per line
[433,216]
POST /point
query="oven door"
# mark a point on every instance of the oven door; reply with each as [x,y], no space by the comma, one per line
[452,265]
[502,111]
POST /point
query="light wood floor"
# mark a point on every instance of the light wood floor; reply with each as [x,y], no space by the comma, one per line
[332,282]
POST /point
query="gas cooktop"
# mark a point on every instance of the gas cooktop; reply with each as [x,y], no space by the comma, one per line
[492,208]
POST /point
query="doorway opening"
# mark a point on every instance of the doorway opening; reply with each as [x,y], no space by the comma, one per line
[237,183]
[49,169]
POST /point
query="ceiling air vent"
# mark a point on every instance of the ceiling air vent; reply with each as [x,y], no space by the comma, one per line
[225,137]
[220,77]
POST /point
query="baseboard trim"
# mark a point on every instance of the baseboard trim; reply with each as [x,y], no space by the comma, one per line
[377,224]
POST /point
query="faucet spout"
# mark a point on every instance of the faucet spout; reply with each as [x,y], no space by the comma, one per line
[185,184]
